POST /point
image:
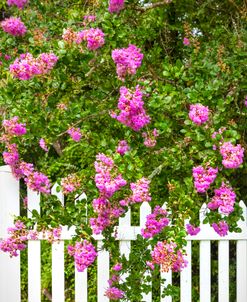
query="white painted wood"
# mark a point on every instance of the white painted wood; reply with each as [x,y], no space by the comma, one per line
[81,294]
[103,267]
[168,280]
[223,271]
[58,271]
[242,271]
[145,210]
[34,252]
[9,206]
[58,261]
[125,245]
[185,277]
[205,271]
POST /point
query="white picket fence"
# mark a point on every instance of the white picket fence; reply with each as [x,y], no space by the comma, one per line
[10,268]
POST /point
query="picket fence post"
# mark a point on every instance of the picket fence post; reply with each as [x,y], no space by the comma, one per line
[10,289]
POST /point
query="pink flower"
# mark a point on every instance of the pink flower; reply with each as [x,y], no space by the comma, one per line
[192,230]
[155,223]
[224,200]
[127,60]
[70,184]
[204,177]
[150,138]
[12,127]
[232,155]
[115,6]
[221,228]
[84,254]
[19,3]
[198,114]
[167,257]
[93,36]
[186,41]
[132,112]
[75,133]
[122,147]
[114,293]
[43,145]
[140,191]
[117,267]
[14,26]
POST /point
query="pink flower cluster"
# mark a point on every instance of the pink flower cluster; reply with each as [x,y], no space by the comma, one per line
[115,6]
[127,60]
[198,113]
[14,26]
[107,186]
[166,255]
[204,177]
[19,3]
[93,36]
[223,200]
[12,127]
[84,254]
[19,235]
[114,293]
[122,147]
[26,67]
[43,145]
[53,235]
[155,223]
[232,155]
[192,230]
[132,113]
[221,228]
[70,184]
[35,180]
[186,41]
[150,138]
[140,191]
[75,133]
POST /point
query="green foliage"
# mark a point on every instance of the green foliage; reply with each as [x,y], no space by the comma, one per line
[211,71]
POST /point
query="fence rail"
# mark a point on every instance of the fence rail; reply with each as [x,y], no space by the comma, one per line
[10,268]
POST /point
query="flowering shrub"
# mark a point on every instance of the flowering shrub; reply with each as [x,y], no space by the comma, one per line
[14,26]
[175,132]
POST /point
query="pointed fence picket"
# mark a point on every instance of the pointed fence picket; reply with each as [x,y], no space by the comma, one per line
[125,233]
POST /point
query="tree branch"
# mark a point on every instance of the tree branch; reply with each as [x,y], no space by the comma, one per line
[153,5]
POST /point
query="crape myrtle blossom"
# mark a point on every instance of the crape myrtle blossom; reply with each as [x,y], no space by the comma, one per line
[224,200]
[122,147]
[166,255]
[150,138]
[14,26]
[43,145]
[132,113]
[204,177]
[12,127]
[18,236]
[221,228]
[155,222]
[140,191]
[70,184]
[198,114]
[115,6]
[127,60]
[75,134]
[19,3]
[93,36]
[192,230]
[107,185]
[84,254]
[26,67]
[232,155]
[114,293]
